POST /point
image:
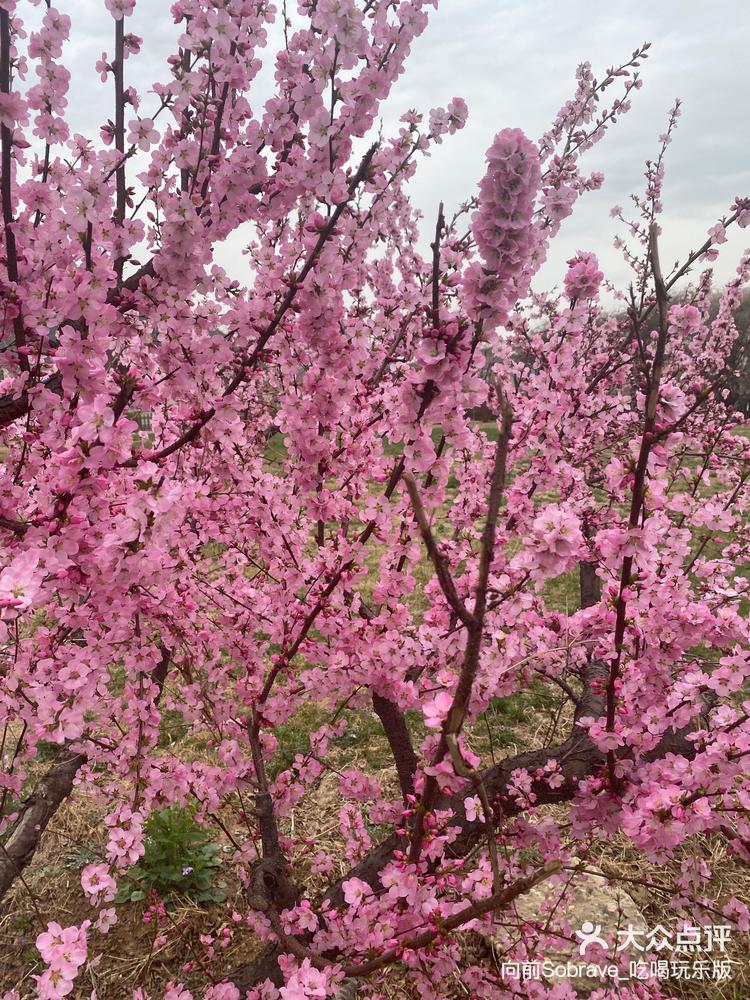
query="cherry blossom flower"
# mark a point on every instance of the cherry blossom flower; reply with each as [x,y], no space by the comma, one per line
[106,920]
[436,709]
[97,883]
[12,110]
[555,539]
[141,133]
[20,584]
[355,891]
[305,982]
[473,809]
[583,277]
[120,8]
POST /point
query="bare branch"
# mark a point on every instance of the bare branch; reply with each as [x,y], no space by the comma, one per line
[399,740]
[439,227]
[437,558]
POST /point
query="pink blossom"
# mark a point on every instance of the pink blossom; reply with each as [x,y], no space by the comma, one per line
[20,584]
[502,225]
[603,738]
[106,920]
[103,67]
[64,950]
[124,846]
[686,320]
[120,8]
[96,419]
[141,133]
[132,44]
[583,277]
[355,891]
[52,984]
[558,203]
[222,991]
[175,991]
[305,982]
[436,709]
[97,882]
[473,809]
[12,110]
[555,538]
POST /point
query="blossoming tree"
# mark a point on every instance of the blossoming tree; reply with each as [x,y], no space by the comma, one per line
[179,569]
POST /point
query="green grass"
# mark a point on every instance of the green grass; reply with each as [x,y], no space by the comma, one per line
[362,743]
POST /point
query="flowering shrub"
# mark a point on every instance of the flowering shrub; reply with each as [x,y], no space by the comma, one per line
[184,574]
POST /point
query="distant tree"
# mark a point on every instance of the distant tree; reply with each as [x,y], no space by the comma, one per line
[739,359]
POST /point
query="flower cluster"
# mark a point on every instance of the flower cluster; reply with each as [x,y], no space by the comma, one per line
[64,951]
[583,277]
[502,227]
[554,541]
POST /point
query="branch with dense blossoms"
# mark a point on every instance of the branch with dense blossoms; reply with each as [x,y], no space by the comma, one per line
[48,795]
[442,929]
[655,376]
[248,363]
[494,903]
[578,760]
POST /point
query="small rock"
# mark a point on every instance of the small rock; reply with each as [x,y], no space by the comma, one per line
[592,900]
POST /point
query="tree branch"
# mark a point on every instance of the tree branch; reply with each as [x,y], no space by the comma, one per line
[37,811]
[638,495]
[6,192]
[454,720]
[271,888]
[496,901]
[578,759]
[399,740]
[439,226]
[119,80]
[437,558]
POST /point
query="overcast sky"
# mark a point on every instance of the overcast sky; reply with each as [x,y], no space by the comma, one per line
[514,63]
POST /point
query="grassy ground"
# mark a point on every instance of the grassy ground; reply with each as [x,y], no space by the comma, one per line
[131,955]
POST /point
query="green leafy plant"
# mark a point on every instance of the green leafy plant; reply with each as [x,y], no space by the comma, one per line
[180,859]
